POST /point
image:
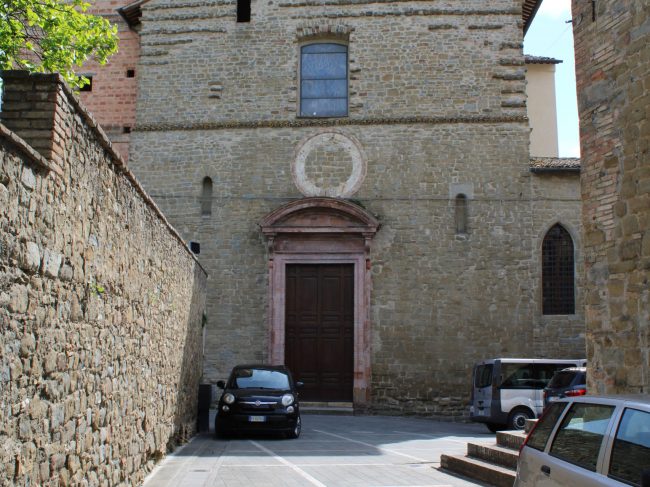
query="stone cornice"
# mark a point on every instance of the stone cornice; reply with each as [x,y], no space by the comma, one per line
[330,122]
[438,11]
[411,12]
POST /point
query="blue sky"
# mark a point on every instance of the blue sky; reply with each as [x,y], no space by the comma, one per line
[550,35]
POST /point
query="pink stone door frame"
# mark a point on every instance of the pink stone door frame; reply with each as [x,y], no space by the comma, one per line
[322,231]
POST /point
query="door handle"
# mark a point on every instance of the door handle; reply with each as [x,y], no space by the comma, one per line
[545,469]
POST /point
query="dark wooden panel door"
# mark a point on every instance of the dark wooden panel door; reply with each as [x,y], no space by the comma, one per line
[319,342]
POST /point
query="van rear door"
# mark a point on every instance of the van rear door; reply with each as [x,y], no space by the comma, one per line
[483,373]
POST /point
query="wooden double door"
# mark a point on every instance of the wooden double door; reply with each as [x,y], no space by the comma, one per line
[319,327]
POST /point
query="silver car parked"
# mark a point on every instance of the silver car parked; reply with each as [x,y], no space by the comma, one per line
[589,441]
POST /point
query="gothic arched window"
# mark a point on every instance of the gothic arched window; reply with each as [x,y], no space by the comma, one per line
[324,80]
[206,197]
[558,274]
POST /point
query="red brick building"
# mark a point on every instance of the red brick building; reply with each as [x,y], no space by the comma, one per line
[112,93]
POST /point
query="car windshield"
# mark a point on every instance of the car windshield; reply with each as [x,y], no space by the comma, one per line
[259,379]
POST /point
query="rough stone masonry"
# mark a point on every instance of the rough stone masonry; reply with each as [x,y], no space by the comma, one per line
[436,110]
[101,303]
[612,43]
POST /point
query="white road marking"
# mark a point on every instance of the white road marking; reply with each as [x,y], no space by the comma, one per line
[293,467]
[380,448]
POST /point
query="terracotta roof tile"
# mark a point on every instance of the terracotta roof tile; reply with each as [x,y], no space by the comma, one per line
[551,164]
[132,12]
[541,60]
[529,9]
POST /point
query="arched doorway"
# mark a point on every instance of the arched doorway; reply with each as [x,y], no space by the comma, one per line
[319,295]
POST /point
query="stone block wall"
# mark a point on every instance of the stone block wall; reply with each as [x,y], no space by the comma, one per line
[405,60]
[101,303]
[437,107]
[613,77]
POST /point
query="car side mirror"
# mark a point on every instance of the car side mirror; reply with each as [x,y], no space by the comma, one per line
[221,384]
[299,384]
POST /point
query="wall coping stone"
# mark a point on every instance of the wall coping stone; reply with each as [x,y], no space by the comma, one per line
[119,165]
[27,150]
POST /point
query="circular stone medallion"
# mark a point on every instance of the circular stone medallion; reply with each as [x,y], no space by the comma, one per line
[329,164]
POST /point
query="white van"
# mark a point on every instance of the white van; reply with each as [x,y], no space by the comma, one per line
[507,391]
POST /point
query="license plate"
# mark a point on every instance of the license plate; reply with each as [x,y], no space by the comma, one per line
[481,412]
[256,419]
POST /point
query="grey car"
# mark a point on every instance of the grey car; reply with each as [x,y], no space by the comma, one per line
[569,382]
[589,441]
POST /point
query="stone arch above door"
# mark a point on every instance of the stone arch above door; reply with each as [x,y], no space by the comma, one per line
[322,230]
[319,216]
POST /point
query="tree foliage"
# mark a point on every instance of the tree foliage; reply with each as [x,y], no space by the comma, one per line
[47,36]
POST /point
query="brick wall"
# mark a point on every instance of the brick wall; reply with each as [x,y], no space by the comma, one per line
[101,303]
[113,95]
[613,76]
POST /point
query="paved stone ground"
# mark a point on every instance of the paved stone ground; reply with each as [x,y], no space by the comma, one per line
[333,451]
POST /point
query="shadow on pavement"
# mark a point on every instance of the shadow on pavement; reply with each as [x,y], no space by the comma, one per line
[341,436]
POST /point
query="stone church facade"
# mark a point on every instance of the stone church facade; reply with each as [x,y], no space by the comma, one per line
[357,177]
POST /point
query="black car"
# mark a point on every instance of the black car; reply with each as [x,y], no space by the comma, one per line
[259,398]
[569,382]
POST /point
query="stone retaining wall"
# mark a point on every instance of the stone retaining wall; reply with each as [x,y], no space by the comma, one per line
[101,303]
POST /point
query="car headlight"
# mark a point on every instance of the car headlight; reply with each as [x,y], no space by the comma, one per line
[228,398]
[287,399]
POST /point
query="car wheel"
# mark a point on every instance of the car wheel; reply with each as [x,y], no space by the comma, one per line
[518,417]
[295,432]
[494,427]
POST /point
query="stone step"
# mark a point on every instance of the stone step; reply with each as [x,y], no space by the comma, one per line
[530,424]
[311,407]
[499,455]
[476,469]
[511,439]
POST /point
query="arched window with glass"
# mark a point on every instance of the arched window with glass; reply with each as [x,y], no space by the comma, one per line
[324,80]
[558,272]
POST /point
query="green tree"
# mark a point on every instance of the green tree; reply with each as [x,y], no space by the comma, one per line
[47,36]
